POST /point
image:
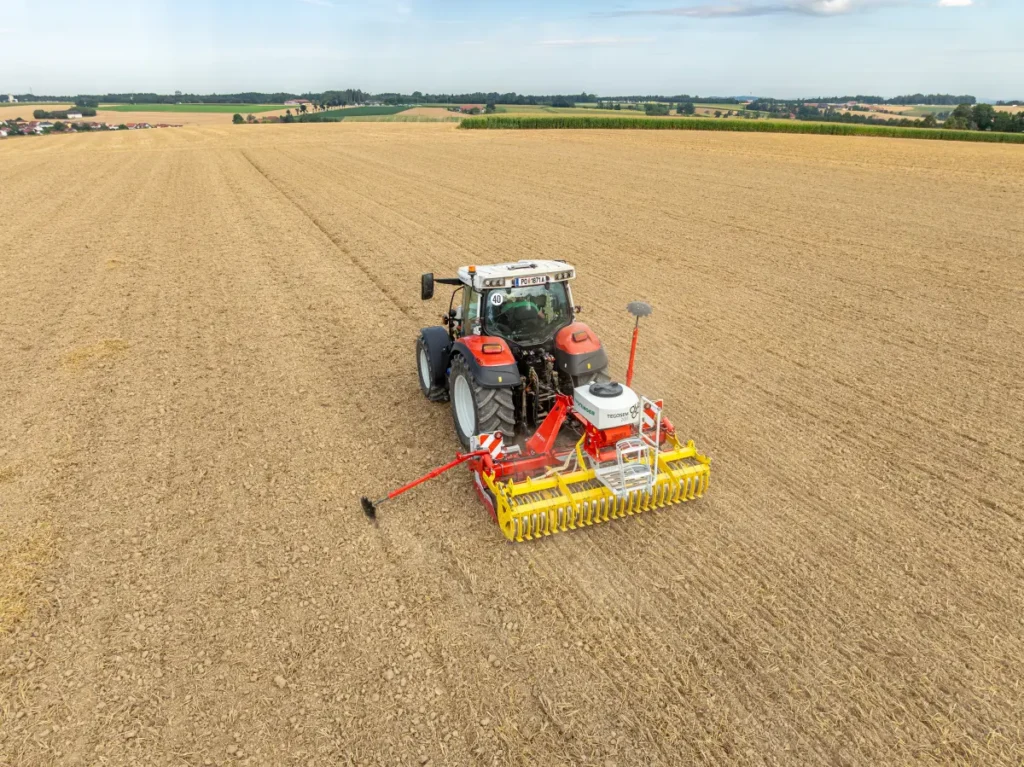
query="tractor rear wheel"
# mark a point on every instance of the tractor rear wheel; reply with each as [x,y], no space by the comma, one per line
[477,410]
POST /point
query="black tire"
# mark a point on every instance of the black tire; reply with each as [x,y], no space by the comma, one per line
[493,409]
[435,391]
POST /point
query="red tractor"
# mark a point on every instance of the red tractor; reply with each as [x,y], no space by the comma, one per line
[509,346]
[551,443]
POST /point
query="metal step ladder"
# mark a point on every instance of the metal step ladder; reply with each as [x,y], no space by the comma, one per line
[630,472]
[636,458]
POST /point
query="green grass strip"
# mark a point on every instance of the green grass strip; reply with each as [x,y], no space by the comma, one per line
[332,115]
[529,122]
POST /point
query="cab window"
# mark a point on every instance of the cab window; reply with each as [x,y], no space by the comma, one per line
[528,315]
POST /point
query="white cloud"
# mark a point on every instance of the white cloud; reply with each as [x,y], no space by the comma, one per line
[955,3]
[590,41]
[739,8]
[322,3]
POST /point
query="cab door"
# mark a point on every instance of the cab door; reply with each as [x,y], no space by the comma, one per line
[471,299]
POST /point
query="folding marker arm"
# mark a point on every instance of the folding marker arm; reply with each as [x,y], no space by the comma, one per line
[370,507]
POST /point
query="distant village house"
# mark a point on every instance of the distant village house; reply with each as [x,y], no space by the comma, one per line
[19,127]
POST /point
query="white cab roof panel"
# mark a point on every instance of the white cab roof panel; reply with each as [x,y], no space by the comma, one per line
[504,275]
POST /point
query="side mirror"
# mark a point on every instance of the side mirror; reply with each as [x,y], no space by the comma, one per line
[577,309]
[427,286]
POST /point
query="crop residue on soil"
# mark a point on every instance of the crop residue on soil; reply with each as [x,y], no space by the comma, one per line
[84,355]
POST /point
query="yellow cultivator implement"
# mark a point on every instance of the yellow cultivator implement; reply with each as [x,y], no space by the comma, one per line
[536,507]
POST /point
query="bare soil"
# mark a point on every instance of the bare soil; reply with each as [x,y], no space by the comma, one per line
[206,346]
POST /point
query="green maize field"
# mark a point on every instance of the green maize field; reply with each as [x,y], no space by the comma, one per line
[513,122]
[333,115]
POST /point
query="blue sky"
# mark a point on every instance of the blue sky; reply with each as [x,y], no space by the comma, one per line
[721,47]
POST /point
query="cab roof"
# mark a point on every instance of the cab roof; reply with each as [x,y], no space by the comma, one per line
[491,276]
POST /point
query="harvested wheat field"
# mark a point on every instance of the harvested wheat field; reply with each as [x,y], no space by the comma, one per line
[207,355]
[170,118]
[441,113]
[175,118]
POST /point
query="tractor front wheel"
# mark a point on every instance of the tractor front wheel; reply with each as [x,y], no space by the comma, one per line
[431,380]
[477,410]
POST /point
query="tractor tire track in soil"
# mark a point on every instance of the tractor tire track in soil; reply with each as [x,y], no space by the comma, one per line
[341,247]
[206,348]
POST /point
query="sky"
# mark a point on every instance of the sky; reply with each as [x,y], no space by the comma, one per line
[783,48]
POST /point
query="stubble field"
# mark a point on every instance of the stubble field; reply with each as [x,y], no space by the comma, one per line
[206,356]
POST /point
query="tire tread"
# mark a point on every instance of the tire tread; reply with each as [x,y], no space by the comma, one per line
[495,408]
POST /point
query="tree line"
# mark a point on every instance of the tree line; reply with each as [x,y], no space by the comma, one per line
[332,98]
[984,117]
[248,97]
[682,98]
[966,116]
[932,99]
[94,100]
[62,114]
[481,97]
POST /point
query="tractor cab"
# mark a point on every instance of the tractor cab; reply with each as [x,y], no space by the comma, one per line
[525,303]
[511,346]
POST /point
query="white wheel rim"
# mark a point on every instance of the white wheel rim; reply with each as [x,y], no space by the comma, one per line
[464,410]
[424,369]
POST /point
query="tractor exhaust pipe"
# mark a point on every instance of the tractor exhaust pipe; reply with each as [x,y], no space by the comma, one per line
[638,309]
